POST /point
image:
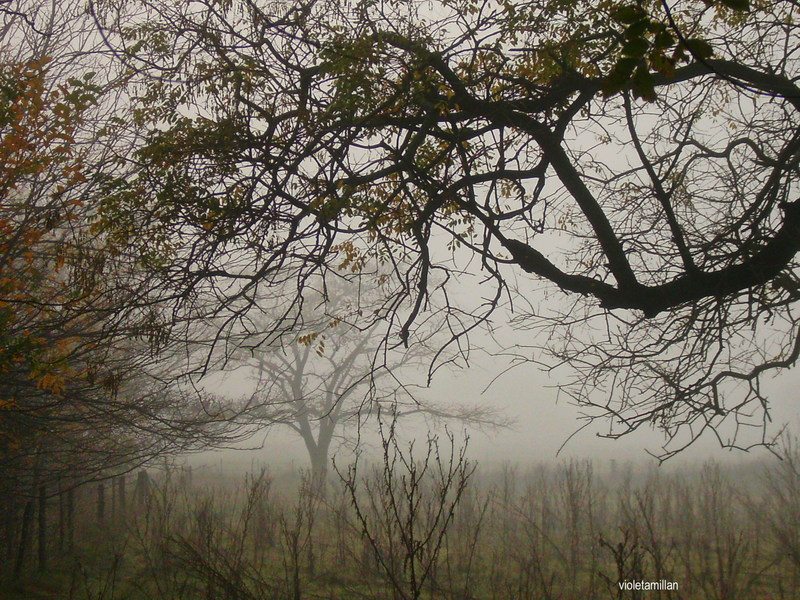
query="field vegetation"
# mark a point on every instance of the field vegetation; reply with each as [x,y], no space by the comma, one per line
[424,522]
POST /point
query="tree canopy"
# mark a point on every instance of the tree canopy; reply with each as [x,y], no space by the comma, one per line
[640,157]
[84,349]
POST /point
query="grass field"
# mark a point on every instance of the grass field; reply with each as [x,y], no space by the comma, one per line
[436,529]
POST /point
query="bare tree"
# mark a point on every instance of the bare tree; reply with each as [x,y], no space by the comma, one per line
[406,506]
[331,380]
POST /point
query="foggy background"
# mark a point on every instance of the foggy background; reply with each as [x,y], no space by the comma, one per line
[546,426]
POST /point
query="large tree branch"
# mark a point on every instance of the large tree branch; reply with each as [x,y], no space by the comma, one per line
[764,265]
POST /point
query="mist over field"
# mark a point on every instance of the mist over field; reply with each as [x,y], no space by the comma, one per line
[399,299]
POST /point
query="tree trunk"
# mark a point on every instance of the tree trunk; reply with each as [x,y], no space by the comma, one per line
[70,519]
[113,483]
[319,467]
[318,450]
[10,528]
[142,489]
[122,499]
[24,538]
[101,502]
[62,515]
[42,528]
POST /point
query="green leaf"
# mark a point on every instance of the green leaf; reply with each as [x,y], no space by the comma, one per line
[663,40]
[643,84]
[637,28]
[618,79]
[737,4]
[635,47]
[628,14]
[661,63]
[700,49]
